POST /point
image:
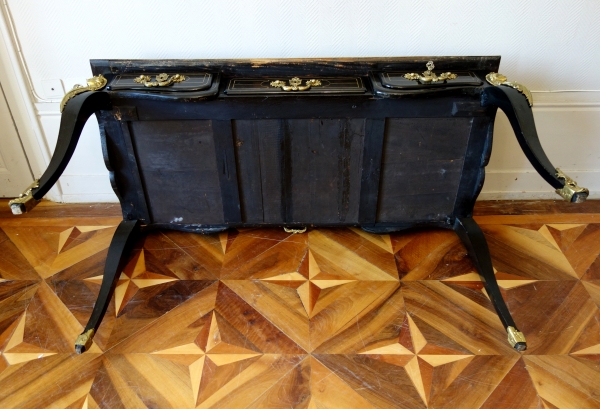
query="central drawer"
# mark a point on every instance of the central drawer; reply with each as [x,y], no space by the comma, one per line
[305,86]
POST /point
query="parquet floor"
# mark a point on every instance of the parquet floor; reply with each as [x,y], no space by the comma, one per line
[334,318]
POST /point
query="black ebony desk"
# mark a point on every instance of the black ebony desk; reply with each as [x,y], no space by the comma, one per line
[383,144]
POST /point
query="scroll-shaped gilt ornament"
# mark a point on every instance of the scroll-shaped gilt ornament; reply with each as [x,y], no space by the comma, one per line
[295,84]
[497,79]
[429,76]
[162,80]
[25,202]
[571,191]
[93,84]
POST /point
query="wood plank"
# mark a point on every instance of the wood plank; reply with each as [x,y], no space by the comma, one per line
[129,161]
[226,168]
[539,218]
[271,145]
[247,156]
[533,207]
[325,170]
[175,158]
[371,169]
[421,168]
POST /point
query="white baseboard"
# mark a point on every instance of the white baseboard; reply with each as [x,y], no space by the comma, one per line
[519,185]
[85,184]
[499,185]
[87,189]
[90,198]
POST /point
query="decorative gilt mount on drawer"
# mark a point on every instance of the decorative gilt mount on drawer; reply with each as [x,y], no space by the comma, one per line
[162,80]
[429,76]
[203,146]
[295,84]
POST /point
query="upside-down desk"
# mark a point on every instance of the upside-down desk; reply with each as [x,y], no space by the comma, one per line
[382,144]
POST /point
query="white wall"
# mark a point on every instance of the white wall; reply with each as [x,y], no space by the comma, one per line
[546,45]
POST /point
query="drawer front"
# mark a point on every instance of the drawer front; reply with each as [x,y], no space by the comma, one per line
[398,80]
[162,82]
[295,86]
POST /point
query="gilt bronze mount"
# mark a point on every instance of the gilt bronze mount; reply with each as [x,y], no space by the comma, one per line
[516,339]
[571,189]
[429,76]
[95,83]
[295,84]
[25,201]
[84,341]
[498,79]
[294,231]
[162,80]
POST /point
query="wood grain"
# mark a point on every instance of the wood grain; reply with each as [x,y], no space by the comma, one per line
[335,318]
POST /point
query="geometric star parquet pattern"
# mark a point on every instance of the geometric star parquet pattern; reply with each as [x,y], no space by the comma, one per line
[333,318]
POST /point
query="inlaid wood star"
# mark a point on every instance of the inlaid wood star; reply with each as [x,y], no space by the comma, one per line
[73,236]
[54,248]
[308,288]
[588,342]
[44,328]
[78,242]
[218,353]
[16,350]
[313,285]
[340,266]
[417,356]
[134,277]
[504,280]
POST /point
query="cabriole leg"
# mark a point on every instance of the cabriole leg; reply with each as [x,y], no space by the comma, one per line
[518,111]
[474,240]
[125,237]
[72,122]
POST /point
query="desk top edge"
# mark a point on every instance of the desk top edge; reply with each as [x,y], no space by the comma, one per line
[337,66]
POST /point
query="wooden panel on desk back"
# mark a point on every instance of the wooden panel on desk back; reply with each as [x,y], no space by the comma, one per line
[421,168]
[301,171]
[308,171]
[178,167]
